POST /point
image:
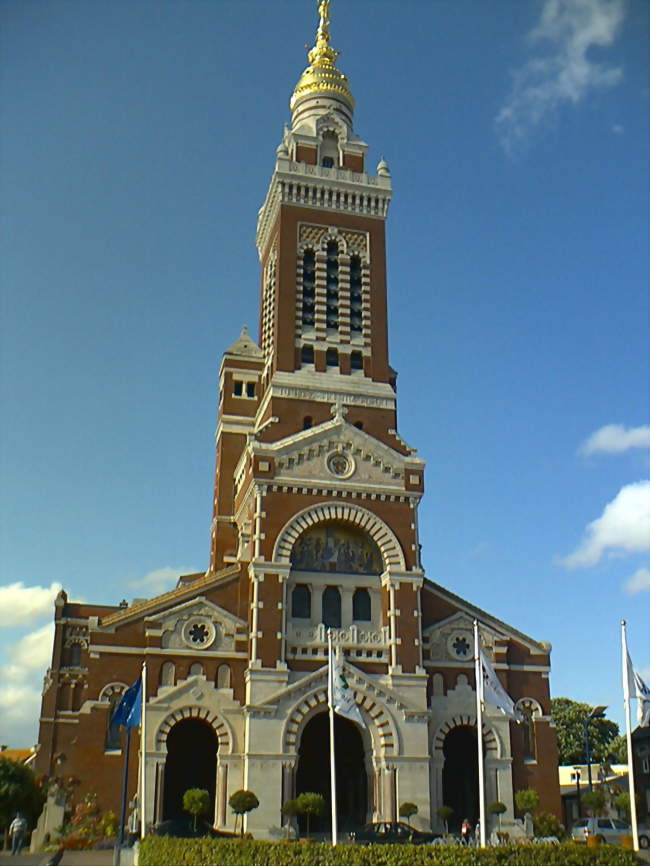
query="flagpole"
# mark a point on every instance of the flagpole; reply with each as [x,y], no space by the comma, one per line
[479,729]
[125,782]
[143,754]
[330,701]
[628,725]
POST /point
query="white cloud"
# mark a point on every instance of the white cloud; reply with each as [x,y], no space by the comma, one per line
[20,696]
[561,72]
[615,438]
[161,579]
[20,604]
[639,582]
[623,527]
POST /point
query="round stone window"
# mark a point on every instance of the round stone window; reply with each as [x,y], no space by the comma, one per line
[339,464]
[460,645]
[199,633]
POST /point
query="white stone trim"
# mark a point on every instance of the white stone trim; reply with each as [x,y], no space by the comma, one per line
[219,726]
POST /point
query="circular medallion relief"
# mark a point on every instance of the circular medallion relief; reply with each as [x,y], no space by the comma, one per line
[199,633]
[339,464]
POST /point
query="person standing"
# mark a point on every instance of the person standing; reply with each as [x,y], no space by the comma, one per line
[17,831]
[465,831]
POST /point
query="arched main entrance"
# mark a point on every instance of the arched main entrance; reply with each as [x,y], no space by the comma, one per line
[313,772]
[191,763]
[460,775]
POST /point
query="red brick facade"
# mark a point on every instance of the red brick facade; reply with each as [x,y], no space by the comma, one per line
[312,485]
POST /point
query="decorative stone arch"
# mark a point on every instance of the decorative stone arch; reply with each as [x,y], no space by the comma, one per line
[382,729]
[111,689]
[531,705]
[491,741]
[381,534]
[331,123]
[219,726]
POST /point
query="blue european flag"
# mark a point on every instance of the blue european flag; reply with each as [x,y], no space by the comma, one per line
[128,711]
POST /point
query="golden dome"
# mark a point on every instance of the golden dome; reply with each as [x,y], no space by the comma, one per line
[322,76]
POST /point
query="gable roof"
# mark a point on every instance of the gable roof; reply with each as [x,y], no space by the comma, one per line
[174,596]
[538,647]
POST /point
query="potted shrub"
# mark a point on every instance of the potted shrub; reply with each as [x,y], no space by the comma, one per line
[242,802]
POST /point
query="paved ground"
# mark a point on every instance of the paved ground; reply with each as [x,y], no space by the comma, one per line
[70,858]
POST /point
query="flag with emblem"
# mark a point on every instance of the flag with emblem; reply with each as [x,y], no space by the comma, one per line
[640,691]
[494,693]
[342,696]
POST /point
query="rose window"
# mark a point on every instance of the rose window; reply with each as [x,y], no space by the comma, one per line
[198,633]
[461,647]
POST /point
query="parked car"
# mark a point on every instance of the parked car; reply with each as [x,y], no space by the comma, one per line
[183,828]
[390,833]
[604,829]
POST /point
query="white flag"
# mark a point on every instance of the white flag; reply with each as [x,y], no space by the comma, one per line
[494,693]
[342,697]
[640,691]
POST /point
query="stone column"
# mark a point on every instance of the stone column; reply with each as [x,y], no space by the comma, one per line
[159,792]
[221,799]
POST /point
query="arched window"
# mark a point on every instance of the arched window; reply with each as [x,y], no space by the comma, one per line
[75,655]
[307,355]
[167,674]
[361,608]
[356,303]
[332,358]
[356,361]
[307,422]
[332,284]
[112,740]
[329,150]
[196,670]
[528,708]
[308,287]
[223,677]
[332,607]
[301,602]
[358,425]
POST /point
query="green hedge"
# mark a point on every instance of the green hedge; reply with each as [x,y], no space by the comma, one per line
[162,851]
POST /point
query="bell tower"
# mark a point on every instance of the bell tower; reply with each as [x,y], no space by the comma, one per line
[311,474]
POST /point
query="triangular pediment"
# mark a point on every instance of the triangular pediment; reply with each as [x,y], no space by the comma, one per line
[311,455]
[356,678]
[199,625]
[491,629]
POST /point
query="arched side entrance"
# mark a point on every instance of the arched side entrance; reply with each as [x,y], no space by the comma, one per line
[460,788]
[191,763]
[313,771]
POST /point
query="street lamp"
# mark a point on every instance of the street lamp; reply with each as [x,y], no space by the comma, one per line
[596,713]
[577,775]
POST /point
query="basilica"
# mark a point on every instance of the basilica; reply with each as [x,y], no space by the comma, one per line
[314,527]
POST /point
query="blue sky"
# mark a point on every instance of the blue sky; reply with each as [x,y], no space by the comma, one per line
[138,141]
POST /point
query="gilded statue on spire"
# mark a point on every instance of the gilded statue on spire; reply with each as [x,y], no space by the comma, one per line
[322,75]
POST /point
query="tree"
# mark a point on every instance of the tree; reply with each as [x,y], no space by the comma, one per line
[497,808]
[568,717]
[527,800]
[594,800]
[407,810]
[18,792]
[445,813]
[290,808]
[617,750]
[196,801]
[310,805]
[242,802]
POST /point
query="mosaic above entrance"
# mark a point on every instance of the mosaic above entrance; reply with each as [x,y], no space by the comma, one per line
[336,547]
